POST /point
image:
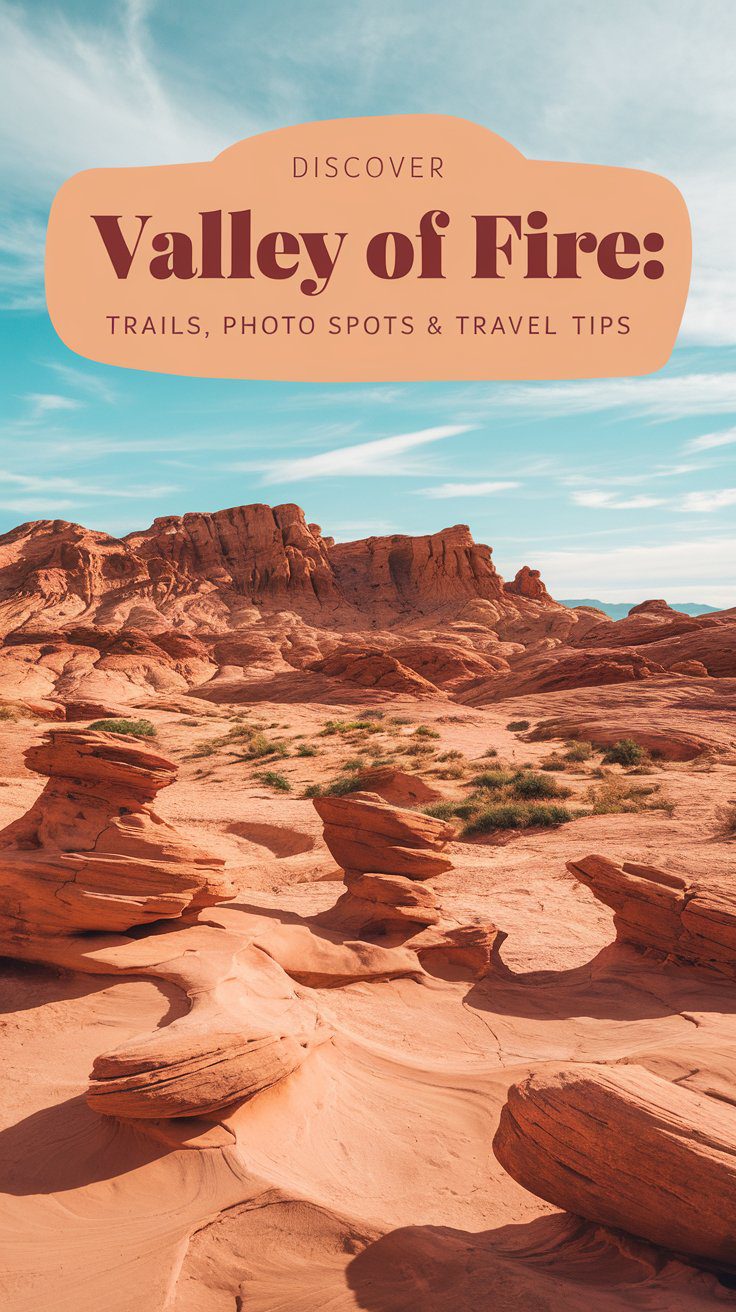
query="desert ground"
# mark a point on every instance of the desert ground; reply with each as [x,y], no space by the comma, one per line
[367,930]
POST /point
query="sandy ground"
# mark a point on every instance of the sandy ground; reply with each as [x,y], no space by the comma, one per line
[366,1179]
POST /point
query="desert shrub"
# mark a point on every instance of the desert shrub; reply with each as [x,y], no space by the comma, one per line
[380,760]
[419,749]
[493,779]
[578,750]
[258,746]
[137,728]
[275,780]
[341,786]
[726,818]
[305,749]
[515,815]
[450,756]
[8,713]
[490,751]
[373,715]
[615,795]
[399,719]
[355,763]
[517,726]
[423,731]
[625,752]
[549,816]
[313,790]
[450,772]
[554,762]
[440,810]
[348,726]
[531,786]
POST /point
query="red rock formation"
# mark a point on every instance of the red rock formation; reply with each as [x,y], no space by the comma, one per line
[671,743]
[371,668]
[387,854]
[528,583]
[694,922]
[623,1148]
[421,574]
[91,854]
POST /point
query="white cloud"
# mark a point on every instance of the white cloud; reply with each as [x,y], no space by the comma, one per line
[44,403]
[704,569]
[709,441]
[386,457]
[42,484]
[608,501]
[83,381]
[444,491]
[708,501]
[665,396]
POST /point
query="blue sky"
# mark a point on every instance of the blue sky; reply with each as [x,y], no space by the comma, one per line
[620,489]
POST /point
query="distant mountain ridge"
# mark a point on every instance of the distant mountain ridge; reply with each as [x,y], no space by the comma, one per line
[619,610]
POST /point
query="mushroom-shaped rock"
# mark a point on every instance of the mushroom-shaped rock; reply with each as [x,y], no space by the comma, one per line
[695,922]
[364,834]
[622,1147]
[387,854]
[91,854]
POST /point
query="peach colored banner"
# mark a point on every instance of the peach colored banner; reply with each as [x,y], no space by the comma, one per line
[397,248]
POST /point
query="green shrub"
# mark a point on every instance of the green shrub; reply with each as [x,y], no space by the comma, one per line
[490,751]
[422,731]
[137,728]
[578,750]
[516,726]
[493,779]
[306,750]
[275,780]
[313,790]
[625,752]
[440,810]
[516,815]
[615,795]
[537,785]
[341,786]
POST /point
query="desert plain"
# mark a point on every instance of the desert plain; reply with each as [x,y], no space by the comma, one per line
[367,930]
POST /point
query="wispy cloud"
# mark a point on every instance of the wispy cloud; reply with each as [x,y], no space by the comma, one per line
[41,485]
[445,491]
[704,568]
[386,457]
[80,380]
[666,396]
[609,501]
[707,502]
[41,404]
[710,441]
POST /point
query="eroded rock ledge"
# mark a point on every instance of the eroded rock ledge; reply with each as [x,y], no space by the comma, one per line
[694,922]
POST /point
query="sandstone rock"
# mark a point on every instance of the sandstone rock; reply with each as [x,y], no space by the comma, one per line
[397,787]
[387,854]
[693,669]
[624,1148]
[694,922]
[528,583]
[369,668]
[246,1029]
[91,854]
[371,837]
